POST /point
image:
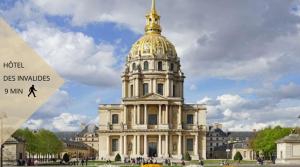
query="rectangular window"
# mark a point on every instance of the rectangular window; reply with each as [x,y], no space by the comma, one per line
[189,144]
[145,89]
[131,90]
[115,118]
[114,144]
[152,119]
[160,89]
[190,119]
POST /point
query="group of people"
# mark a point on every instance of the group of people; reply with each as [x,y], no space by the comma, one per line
[77,162]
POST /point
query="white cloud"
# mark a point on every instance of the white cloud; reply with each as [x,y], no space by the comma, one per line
[239,113]
[68,122]
[74,55]
[34,124]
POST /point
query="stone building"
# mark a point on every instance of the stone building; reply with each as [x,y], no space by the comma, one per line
[89,136]
[288,150]
[152,120]
[76,149]
[14,150]
[216,142]
[245,150]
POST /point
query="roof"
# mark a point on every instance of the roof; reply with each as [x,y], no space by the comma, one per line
[74,144]
[66,135]
[88,129]
[217,130]
[13,140]
[242,134]
[292,138]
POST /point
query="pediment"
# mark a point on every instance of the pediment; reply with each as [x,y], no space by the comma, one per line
[153,96]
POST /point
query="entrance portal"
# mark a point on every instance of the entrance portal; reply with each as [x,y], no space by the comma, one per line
[152,147]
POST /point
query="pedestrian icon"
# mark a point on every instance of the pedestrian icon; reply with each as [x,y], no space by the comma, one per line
[31,91]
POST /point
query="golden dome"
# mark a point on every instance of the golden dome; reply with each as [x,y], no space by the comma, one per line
[152,43]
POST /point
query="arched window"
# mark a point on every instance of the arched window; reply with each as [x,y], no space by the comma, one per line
[133,66]
[146,65]
[159,66]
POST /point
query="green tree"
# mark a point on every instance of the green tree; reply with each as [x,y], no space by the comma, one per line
[265,140]
[238,156]
[43,142]
[30,138]
[187,156]
[118,157]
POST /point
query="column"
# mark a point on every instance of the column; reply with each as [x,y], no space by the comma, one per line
[179,117]
[125,114]
[167,145]
[125,145]
[134,115]
[145,115]
[134,145]
[197,115]
[196,145]
[159,114]
[167,115]
[183,144]
[121,145]
[154,86]
[151,86]
[145,146]
[108,146]
[171,144]
[179,145]
[138,145]
[168,87]
[159,145]
[138,114]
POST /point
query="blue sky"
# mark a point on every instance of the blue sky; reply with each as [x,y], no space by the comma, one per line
[239,57]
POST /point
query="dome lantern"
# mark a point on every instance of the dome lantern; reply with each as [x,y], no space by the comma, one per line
[153,21]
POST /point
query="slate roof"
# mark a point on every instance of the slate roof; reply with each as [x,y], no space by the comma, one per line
[292,138]
[88,129]
[217,130]
[66,135]
[241,135]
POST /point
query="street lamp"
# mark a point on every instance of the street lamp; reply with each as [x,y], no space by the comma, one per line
[2,116]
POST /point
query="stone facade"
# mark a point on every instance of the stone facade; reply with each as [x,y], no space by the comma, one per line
[14,150]
[216,142]
[89,136]
[288,150]
[246,152]
[152,120]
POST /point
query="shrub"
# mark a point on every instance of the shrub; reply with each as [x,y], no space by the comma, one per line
[187,156]
[118,157]
[238,156]
[66,157]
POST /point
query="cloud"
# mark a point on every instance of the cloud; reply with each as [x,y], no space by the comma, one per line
[33,124]
[224,39]
[68,122]
[240,113]
[74,55]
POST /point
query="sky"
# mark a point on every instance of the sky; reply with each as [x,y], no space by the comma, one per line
[240,58]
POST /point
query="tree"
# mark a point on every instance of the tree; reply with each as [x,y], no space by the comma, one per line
[43,142]
[265,140]
[187,156]
[238,156]
[118,157]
